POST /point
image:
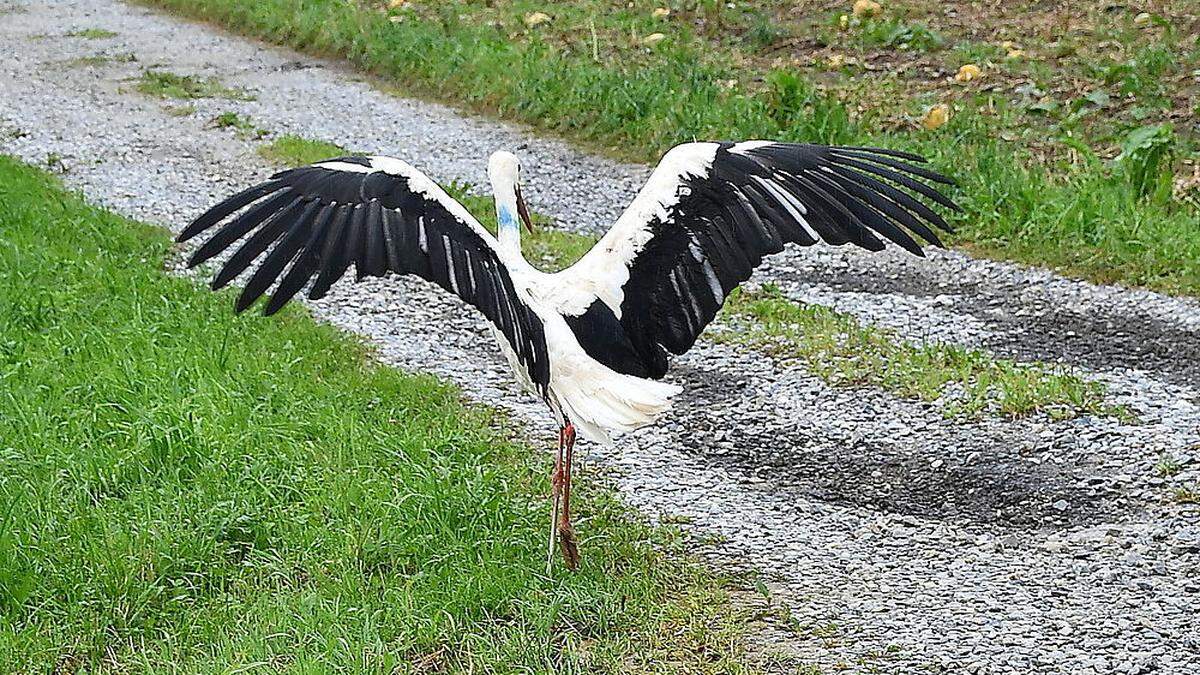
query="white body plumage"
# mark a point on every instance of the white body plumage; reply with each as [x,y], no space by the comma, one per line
[581,390]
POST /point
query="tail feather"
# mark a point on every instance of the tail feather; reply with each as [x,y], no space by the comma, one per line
[612,402]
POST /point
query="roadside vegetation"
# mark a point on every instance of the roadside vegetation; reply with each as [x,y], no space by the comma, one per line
[102,59]
[1070,129]
[180,110]
[186,490]
[291,151]
[93,34]
[165,84]
[241,124]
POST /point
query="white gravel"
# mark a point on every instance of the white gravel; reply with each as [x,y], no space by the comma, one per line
[902,542]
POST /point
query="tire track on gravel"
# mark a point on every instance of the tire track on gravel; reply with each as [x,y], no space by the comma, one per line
[1042,318]
[900,541]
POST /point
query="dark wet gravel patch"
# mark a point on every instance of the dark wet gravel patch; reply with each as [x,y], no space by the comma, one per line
[1027,326]
[991,481]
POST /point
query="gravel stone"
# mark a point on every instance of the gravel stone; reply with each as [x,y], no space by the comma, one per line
[900,541]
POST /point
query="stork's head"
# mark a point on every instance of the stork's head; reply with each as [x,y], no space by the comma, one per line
[504,171]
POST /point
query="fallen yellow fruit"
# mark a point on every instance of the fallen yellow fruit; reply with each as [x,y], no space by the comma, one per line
[1016,53]
[653,39]
[661,12]
[843,22]
[867,8]
[967,73]
[533,19]
[936,117]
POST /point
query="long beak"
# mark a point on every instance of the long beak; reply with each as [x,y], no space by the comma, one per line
[523,211]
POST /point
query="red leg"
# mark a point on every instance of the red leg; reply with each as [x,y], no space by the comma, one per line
[566,534]
[556,475]
[556,490]
[555,494]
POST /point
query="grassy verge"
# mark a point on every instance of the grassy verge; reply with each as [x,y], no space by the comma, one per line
[1039,181]
[93,34]
[165,84]
[838,349]
[290,150]
[185,490]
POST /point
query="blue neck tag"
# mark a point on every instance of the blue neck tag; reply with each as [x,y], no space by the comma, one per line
[505,217]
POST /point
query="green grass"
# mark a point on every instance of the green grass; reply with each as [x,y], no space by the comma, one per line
[1033,191]
[1189,494]
[93,34]
[183,490]
[890,32]
[243,125]
[102,59]
[1167,466]
[165,84]
[180,110]
[838,349]
[290,150]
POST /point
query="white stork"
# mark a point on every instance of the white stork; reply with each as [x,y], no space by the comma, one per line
[592,340]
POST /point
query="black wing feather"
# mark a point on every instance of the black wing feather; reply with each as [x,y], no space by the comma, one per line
[881,158]
[246,221]
[741,210]
[900,197]
[305,263]
[258,242]
[284,251]
[333,261]
[903,180]
[321,219]
[219,212]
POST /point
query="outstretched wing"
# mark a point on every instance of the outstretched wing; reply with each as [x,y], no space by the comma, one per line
[307,226]
[707,216]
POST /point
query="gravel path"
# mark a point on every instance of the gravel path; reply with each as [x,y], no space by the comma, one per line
[900,542]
